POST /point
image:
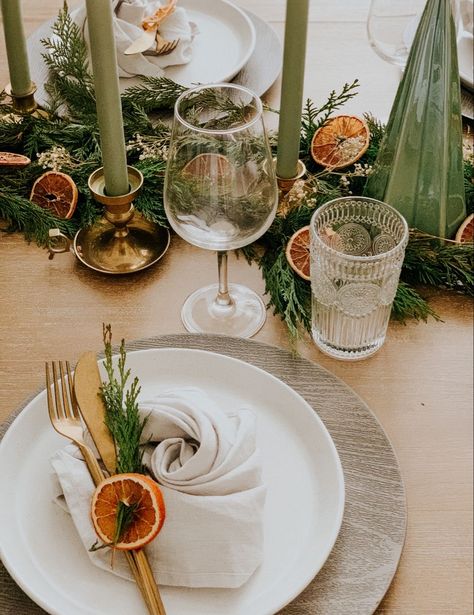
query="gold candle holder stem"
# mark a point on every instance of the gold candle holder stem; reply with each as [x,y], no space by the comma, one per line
[286,184]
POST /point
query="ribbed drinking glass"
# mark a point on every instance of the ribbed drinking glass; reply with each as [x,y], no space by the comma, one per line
[357,250]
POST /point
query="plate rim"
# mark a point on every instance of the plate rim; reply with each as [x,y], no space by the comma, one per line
[309,411]
[253,35]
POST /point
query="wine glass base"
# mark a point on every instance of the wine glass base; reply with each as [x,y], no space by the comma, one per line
[243,318]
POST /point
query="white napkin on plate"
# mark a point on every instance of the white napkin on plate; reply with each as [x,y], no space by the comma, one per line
[128,16]
[209,469]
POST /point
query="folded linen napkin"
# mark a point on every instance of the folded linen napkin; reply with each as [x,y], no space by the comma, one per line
[128,16]
[209,469]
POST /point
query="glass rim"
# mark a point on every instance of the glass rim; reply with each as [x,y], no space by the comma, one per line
[352,257]
[209,86]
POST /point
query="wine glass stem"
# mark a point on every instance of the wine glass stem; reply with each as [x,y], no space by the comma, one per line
[223,298]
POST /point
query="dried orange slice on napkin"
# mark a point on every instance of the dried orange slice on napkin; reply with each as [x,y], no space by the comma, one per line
[143,503]
[297,252]
[340,141]
[55,192]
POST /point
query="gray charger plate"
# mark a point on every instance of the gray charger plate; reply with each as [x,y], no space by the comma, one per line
[365,557]
[259,73]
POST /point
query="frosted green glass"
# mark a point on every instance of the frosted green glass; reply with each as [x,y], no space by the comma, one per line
[419,167]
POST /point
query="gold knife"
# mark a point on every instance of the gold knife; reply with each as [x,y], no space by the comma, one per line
[87,389]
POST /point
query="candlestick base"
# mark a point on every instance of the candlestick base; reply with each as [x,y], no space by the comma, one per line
[285,185]
[26,103]
[122,241]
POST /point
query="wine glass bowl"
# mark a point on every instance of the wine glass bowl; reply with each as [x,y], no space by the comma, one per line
[220,194]
[391,27]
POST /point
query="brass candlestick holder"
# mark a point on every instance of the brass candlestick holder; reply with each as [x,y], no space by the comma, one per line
[24,104]
[285,185]
[122,241]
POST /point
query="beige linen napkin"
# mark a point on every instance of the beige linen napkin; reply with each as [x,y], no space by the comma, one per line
[129,15]
[209,468]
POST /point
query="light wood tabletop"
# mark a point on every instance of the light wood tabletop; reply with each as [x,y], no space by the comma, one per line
[419,385]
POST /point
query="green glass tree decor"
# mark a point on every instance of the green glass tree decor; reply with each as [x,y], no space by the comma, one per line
[419,167]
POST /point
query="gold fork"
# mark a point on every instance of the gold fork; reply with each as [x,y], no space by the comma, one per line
[65,418]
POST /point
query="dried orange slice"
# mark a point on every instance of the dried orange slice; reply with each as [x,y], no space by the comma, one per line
[340,141]
[297,252]
[215,167]
[9,159]
[141,497]
[55,192]
[465,232]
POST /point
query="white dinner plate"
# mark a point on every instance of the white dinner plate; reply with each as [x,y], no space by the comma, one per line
[224,43]
[303,510]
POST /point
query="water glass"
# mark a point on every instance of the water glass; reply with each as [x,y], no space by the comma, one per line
[357,250]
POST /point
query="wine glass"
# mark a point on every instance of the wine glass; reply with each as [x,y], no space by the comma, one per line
[220,193]
[391,27]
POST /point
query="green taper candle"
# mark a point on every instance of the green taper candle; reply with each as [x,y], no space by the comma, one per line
[292,88]
[15,43]
[107,94]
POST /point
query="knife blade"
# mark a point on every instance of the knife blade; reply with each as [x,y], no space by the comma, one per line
[87,385]
[151,25]
[141,44]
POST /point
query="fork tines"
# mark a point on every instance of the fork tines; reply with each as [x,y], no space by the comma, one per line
[65,402]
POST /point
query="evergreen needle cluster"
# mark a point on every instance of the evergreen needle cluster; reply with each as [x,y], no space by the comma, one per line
[122,416]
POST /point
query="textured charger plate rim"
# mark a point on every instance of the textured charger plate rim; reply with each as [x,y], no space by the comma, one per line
[331,592]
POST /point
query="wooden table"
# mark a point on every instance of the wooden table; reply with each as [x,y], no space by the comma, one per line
[419,385]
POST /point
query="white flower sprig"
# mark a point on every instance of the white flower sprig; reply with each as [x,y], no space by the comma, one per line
[149,147]
[56,158]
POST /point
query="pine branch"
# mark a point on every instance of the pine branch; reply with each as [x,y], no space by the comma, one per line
[408,303]
[154,94]
[314,117]
[33,221]
[70,84]
[431,261]
[292,301]
[122,416]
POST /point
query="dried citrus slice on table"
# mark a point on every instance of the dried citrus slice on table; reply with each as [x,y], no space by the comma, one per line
[465,232]
[9,159]
[297,252]
[340,141]
[133,497]
[55,192]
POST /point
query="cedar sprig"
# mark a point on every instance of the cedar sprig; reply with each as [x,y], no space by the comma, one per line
[408,303]
[432,261]
[154,94]
[70,85]
[313,117]
[122,416]
[33,221]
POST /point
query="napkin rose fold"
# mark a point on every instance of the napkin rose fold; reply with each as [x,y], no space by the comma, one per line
[128,17]
[209,469]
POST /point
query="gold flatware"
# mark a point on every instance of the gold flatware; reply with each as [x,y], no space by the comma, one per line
[163,47]
[150,26]
[87,383]
[65,418]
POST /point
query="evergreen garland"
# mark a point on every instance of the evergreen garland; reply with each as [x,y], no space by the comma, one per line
[68,139]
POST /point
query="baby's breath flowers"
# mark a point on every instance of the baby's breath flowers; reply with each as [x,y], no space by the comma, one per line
[149,147]
[56,158]
[359,170]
